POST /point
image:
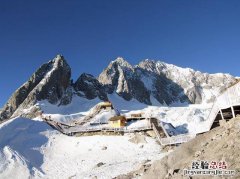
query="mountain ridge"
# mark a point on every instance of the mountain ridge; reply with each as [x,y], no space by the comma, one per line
[161,73]
[167,83]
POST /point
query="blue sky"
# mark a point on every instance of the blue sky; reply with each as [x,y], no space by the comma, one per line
[201,34]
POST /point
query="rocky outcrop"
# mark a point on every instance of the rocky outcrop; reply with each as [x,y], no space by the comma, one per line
[167,83]
[49,82]
[120,77]
[67,96]
[114,77]
[147,82]
[89,87]
[196,86]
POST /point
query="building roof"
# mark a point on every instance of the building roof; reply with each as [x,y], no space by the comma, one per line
[116,118]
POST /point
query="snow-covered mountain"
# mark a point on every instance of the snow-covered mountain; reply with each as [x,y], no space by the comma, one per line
[150,82]
[32,149]
[165,82]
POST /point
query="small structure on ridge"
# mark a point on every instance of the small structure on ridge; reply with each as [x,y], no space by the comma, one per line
[106,105]
[117,121]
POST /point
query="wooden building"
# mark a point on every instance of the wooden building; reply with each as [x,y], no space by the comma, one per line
[117,121]
[135,116]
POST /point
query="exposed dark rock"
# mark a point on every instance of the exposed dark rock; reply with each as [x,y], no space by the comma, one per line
[120,77]
[90,86]
[147,82]
[100,164]
[167,92]
[49,82]
[166,83]
[104,148]
[67,96]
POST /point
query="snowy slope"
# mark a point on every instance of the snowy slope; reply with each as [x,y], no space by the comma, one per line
[184,117]
[35,149]
[30,148]
[38,151]
[77,105]
[125,106]
[20,147]
[75,111]
[12,164]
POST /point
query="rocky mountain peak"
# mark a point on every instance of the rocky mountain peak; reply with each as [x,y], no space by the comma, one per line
[49,82]
[59,60]
[165,82]
[157,66]
[115,76]
[120,61]
[149,82]
[58,57]
[149,65]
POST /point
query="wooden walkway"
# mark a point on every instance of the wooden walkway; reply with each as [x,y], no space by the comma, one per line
[182,138]
[228,99]
[109,129]
[163,141]
[65,129]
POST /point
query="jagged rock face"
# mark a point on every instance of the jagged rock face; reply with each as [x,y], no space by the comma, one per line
[49,82]
[198,87]
[120,77]
[165,82]
[149,80]
[67,96]
[139,83]
[89,87]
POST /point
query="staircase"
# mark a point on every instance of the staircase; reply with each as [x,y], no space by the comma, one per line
[228,99]
[173,139]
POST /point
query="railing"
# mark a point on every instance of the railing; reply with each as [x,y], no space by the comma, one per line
[163,141]
[123,129]
[137,129]
[229,98]
[177,139]
[63,118]
[157,133]
[213,114]
[173,139]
